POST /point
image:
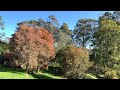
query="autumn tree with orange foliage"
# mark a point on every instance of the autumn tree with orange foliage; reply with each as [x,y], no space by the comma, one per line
[32,48]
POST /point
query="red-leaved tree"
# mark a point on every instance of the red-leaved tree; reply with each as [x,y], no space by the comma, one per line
[31,47]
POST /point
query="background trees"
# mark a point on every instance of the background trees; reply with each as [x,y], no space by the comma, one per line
[107,39]
[106,43]
[103,36]
[32,46]
[65,29]
[3,39]
[1,23]
[61,35]
[4,47]
[83,31]
[2,34]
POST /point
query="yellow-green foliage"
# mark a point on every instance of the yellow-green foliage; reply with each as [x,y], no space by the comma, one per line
[111,74]
[90,76]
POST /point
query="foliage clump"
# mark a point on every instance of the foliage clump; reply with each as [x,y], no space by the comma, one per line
[74,61]
[111,74]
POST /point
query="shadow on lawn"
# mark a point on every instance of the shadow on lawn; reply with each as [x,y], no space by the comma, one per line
[8,69]
[21,71]
[41,76]
[57,71]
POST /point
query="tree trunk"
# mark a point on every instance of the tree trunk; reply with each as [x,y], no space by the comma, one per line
[106,46]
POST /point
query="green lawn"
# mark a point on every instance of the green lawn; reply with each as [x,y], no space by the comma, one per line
[10,73]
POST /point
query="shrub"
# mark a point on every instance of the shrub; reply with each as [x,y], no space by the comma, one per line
[74,61]
[31,47]
[111,74]
[3,49]
[118,73]
[97,70]
[1,58]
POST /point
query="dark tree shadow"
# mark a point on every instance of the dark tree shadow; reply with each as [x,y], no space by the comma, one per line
[41,76]
[57,71]
[4,68]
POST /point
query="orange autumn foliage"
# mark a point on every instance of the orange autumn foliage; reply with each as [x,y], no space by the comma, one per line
[32,48]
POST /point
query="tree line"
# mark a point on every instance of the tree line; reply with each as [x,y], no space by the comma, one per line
[76,60]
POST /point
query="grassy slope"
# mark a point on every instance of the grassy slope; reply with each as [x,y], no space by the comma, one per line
[10,73]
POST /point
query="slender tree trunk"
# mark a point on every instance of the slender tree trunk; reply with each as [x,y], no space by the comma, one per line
[83,42]
[106,46]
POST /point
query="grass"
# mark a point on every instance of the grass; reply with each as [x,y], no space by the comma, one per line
[12,73]
[91,76]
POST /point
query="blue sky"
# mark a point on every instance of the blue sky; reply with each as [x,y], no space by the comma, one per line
[11,18]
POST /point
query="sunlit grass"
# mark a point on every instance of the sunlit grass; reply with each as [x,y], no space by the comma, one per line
[11,73]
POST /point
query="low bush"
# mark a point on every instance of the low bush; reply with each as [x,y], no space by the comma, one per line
[111,74]
[74,61]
